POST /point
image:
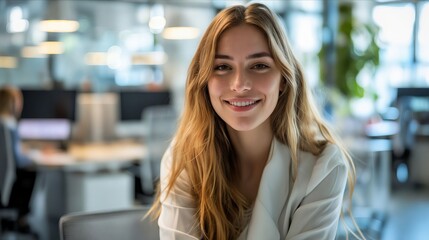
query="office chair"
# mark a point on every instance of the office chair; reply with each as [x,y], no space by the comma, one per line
[161,123]
[127,224]
[7,176]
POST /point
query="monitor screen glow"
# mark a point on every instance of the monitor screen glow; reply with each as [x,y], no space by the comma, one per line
[44,129]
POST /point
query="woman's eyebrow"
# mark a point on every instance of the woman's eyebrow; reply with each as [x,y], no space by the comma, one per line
[222,56]
[259,55]
[254,55]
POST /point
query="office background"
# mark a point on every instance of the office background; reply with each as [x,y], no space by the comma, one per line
[134,54]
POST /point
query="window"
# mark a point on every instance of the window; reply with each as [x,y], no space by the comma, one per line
[404,34]
[423,34]
[396,32]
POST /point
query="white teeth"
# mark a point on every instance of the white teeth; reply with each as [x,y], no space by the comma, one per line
[242,104]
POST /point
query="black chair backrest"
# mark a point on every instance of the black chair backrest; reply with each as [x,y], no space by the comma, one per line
[7,164]
[161,123]
[128,224]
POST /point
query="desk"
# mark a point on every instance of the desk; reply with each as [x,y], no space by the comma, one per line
[382,130]
[372,158]
[90,157]
[86,177]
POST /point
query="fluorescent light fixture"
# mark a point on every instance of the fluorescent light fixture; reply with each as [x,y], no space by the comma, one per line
[149,58]
[106,58]
[96,58]
[60,17]
[45,48]
[51,47]
[8,62]
[180,33]
[58,26]
[31,52]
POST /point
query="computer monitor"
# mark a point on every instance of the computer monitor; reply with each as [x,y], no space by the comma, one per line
[44,129]
[132,103]
[49,104]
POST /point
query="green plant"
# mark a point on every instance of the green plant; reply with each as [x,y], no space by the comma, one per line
[355,48]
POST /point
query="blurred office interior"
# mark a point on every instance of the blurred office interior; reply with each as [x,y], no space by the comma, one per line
[102,94]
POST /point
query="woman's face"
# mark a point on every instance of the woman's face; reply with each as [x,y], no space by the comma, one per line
[245,84]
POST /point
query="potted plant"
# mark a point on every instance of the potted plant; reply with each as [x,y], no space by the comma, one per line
[355,48]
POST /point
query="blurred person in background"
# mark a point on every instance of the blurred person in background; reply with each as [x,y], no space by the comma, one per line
[11,102]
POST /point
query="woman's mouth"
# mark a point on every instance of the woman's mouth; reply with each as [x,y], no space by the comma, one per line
[242,104]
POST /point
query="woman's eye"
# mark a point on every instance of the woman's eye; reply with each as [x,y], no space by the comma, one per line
[260,66]
[221,67]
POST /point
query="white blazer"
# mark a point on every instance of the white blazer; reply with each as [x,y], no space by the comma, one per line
[308,208]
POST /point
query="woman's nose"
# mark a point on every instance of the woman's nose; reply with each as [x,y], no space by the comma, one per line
[239,82]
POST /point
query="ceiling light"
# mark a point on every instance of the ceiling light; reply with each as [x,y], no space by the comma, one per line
[31,52]
[149,58]
[8,62]
[96,58]
[45,48]
[179,33]
[58,26]
[60,17]
[51,47]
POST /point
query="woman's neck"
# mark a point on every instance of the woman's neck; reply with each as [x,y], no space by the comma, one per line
[252,147]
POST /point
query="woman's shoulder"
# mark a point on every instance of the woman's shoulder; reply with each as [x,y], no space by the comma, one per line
[331,156]
[168,165]
[330,162]
[167,158]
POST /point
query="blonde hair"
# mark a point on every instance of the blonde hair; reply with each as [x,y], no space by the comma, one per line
[208,160]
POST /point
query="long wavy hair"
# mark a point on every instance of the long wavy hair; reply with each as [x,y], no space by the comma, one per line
[201,145]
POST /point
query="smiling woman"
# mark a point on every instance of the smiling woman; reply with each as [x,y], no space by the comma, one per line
[246,82]
[252,158]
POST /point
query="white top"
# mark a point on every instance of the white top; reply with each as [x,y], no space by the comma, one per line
[309,208]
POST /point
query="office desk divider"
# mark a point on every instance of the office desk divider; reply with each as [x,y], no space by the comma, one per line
[99,191]
[97,115]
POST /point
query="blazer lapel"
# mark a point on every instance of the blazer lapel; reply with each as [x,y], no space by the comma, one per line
[272,195]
